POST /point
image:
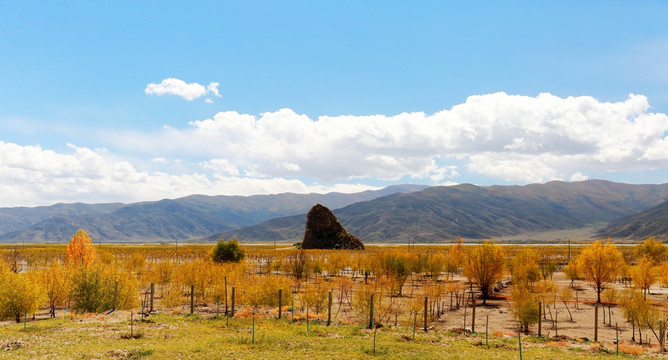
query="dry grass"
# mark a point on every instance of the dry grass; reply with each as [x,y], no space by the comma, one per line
[631,349]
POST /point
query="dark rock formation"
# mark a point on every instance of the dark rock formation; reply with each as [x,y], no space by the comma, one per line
[324,231]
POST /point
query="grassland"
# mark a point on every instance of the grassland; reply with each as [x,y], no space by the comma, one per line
[176,336]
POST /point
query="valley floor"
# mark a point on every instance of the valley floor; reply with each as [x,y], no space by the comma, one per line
[176,336]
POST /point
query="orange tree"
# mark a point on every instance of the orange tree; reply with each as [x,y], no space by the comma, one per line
[599,264]
[484,267]
[80,250]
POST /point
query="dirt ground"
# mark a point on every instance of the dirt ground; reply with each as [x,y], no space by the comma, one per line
[582,326]
[497,310]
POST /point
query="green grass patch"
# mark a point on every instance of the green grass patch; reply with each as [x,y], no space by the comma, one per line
[169,336]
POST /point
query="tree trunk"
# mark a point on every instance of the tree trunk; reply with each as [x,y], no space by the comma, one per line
[569,310]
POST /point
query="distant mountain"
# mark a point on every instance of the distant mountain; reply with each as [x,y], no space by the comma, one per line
[18,218]
[166,220]
[441,213]
[650,222]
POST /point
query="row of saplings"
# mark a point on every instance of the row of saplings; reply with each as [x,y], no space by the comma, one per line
[82,284]
[601,266]
[85,283]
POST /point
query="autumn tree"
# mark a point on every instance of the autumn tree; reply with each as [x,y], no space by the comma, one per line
[653,249]
[395,268]
[547,264]
[524,307]
[566,294]
[436,264]
[19,294]
[571,272]
[644,275]
[92,289]
[599,264]
[636,310]
[524,268]
[455,257]
[484,267]
[54,281]
[80,250]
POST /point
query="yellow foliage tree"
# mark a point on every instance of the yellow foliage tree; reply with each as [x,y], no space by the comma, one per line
[653,249]
[19,294]
[80,250]
[484,267]
[525,269]
[524,307]
[55,283]
[455,257]
[599,264]
[644,275]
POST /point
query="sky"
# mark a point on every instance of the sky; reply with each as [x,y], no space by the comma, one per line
[133,101]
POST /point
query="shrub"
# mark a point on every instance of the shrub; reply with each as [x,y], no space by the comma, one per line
[524,307]
[19,294]
[92,289]
[227,251]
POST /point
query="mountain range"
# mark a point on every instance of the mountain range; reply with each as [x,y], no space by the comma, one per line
[401,213]
[443,213]
[650,222]
[186,218]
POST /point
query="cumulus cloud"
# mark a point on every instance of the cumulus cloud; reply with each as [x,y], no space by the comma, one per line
[514,138]
[579,177]
[188,91]
[30,175]
[518,139]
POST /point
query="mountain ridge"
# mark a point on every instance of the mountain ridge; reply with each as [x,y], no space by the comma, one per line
[471,211]
[184,218]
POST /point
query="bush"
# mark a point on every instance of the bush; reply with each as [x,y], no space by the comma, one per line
[227,251]
[92,289]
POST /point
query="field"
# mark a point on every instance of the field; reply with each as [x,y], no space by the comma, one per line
[387,285]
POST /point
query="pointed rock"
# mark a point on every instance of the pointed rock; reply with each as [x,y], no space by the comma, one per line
[324,231]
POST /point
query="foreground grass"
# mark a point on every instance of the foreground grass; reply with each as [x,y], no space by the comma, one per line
[167,336]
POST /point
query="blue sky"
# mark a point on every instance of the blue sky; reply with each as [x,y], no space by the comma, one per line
[321,96]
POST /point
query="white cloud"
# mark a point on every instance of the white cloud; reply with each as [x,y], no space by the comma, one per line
[30,175]
[579,177]
[220,166]
[517,168]
[518,139]
[510,137]
[188,91]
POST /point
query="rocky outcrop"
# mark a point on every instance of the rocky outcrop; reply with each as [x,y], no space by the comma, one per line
[324,231]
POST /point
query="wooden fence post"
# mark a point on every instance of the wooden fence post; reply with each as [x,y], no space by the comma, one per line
[426,300]
[152,294]
[371,311]
[225,295]
[464,303]
[473,315]
[329,309]
[540,319]
[115,294]
[232,310]
[556,323]
[280,302]
[596,322]
[192,299]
